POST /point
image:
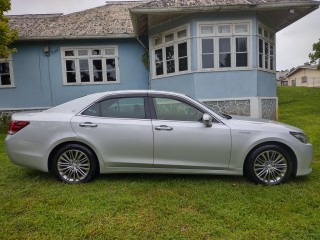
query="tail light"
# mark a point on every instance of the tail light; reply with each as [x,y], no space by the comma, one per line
[16,126]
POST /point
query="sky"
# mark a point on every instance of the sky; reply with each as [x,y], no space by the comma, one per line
[293,44]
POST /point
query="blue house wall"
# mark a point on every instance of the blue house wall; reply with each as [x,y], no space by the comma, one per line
[39,78]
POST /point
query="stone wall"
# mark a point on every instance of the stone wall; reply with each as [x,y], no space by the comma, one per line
[232,107]
[269,108]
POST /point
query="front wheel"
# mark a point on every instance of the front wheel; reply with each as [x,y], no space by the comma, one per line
[269,165]
[74,163]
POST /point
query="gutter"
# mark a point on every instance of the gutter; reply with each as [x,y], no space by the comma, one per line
[110,36]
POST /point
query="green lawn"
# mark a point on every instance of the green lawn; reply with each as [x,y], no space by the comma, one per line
[33,205]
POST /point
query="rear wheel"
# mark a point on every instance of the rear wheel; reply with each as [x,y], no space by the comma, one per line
[269,165]
[74,163]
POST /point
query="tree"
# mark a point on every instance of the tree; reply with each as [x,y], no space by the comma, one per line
[7,35]
[315,56]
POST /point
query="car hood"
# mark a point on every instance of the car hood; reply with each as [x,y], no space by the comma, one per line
[261,124]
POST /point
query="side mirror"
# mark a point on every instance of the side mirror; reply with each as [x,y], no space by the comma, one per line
[207,120]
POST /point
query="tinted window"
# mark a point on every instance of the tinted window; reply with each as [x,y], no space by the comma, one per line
[118,108]
[171,109]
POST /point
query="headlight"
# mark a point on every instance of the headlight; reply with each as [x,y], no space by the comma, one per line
[300,136]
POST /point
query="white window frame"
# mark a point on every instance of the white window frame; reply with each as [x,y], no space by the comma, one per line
[9,60]
[270,41]
[90,57]
[232,35]
[175,42]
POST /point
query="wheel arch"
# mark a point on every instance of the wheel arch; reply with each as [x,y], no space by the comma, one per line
[280,144]
[56,148]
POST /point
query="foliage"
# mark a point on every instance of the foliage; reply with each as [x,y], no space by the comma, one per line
[145,58]
[315,56]
[34,205]
[4,122]
[7,35]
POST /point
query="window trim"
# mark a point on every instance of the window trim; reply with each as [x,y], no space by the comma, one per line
[175,42]
[90,57]
[216,36]
[10,61]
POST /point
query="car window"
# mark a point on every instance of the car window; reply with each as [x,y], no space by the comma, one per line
[130,107]
[172,109]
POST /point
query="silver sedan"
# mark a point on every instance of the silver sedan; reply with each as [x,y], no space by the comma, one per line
[154,132]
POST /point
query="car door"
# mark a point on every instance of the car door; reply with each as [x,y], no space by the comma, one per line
[182,141]
[120,128]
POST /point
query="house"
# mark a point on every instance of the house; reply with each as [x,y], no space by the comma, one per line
[281,78]
[304,76]
[221,52]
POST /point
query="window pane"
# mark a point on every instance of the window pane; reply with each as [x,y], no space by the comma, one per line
[241,44]
[109,51]
[159,68]
[97,76]
[182,50]
[260,46]
[85,76]
[271,63]
[242,60]
[84,65]
[224,45]
[225,60]
[182,33]
[266,33]
[171,109]
[111,76]
[5,80]
[83,52]
[260,30]
[123,108]
[271,49]
[158,55]
[241,28]
[94,110]
[206,29]
[71,77]
[207,45]
[169,52]
[96,52]
[70,65]
[68,53]
[266,62]
[158,41]
[170,66]
[97,64]
[183,64]
[111,64]
[260,60]
[169,37]
[4,67]
[224,29]
[266,48]
[207,61]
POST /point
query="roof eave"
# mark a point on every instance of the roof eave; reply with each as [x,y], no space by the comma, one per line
[48,38]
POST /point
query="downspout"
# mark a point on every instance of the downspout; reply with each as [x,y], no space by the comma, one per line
[149,77]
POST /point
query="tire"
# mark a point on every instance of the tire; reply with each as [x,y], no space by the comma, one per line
[74,163]
[269,165]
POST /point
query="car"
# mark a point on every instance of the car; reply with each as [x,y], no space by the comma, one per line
[146,131]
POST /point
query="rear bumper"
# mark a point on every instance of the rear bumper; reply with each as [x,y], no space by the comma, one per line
[26,154]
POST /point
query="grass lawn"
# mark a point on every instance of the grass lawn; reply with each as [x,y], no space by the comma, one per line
[34,205]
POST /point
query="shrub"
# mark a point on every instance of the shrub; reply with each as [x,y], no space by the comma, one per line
[4,122]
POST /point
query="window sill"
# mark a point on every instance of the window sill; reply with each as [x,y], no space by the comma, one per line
[171,75]
[90,84]
[5,87]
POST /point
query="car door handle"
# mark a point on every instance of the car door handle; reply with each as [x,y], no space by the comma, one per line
[164,128]
[88,124]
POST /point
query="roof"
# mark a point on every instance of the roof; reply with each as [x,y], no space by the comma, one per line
[311,67]
[108,21]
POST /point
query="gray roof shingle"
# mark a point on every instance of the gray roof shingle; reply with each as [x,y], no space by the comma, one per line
[111,20]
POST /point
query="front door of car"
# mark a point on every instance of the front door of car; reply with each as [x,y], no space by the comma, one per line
[120,129]
[182,141]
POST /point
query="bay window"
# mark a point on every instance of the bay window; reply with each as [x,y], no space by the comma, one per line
[170,53]
[90,65]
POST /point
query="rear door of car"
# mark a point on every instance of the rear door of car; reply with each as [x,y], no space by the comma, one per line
[182,141]
[120,129]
